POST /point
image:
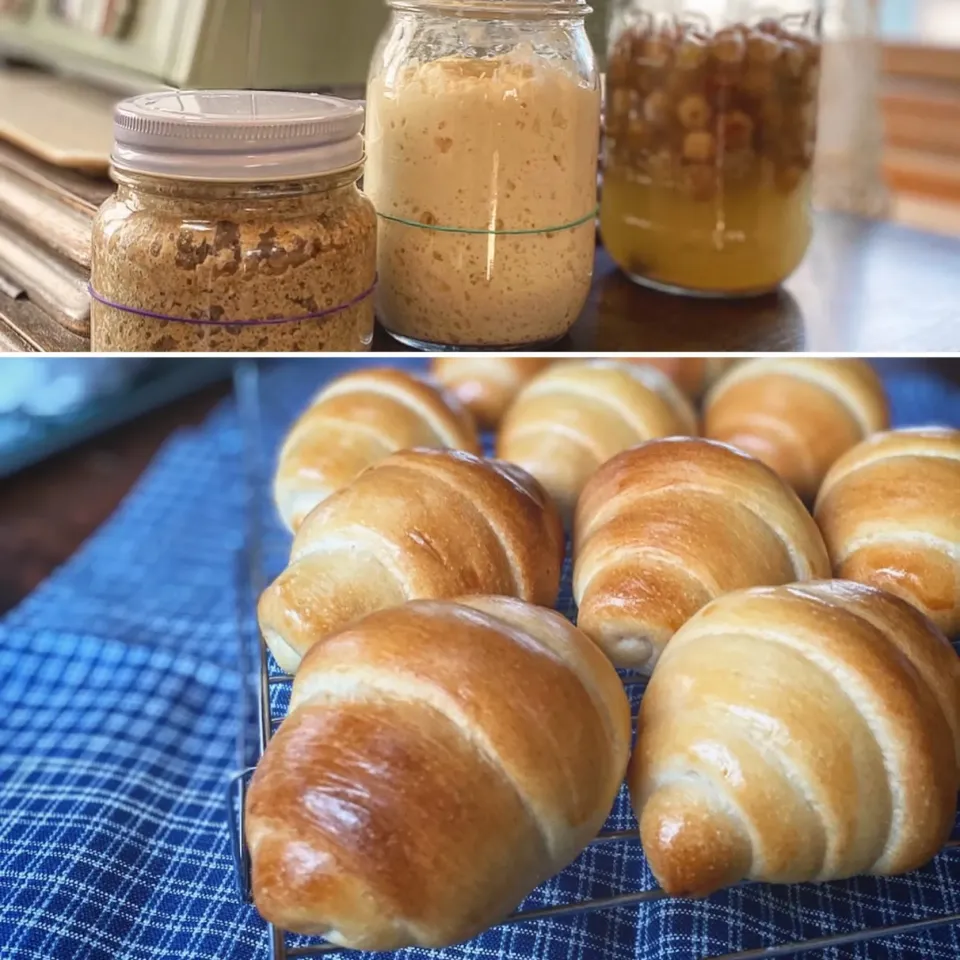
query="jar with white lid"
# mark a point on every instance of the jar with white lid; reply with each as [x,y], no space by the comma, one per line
[483,128]
[237,226]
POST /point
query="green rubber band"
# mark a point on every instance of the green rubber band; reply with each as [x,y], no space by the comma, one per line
[497,233]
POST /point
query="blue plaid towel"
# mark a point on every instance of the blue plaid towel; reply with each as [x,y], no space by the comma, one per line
[122,699]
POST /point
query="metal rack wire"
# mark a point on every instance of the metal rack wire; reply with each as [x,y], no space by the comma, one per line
[257,666]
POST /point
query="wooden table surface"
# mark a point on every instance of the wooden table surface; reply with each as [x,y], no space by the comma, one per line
[47,511]
[865,287]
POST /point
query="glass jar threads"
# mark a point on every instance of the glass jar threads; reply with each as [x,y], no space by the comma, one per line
[710,127]
[237,226]
[483,130]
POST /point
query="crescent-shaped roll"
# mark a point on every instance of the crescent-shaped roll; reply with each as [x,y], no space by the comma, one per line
[422,524]
[889,510]
[808,732]
[664,528]
[439,761]
[575,416]
[486,385]
[357,420]
[693,375]
[797,414]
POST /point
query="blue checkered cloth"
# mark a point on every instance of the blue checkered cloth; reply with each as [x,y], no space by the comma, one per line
[121,695]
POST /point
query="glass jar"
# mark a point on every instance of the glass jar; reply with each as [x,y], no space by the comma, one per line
[850,134]
[710,127]
[483,130]
[237,226]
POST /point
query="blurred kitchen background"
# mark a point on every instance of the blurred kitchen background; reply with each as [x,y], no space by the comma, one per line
[889,143]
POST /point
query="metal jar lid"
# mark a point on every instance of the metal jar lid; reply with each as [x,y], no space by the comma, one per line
[236,135]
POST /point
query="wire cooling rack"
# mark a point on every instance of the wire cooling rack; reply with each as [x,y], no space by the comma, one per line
[264,702]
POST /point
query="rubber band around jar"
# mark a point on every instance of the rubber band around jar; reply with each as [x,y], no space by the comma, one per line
[474,231]
[270,321]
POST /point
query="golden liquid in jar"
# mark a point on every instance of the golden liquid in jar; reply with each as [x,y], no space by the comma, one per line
[709,145]
[745,242]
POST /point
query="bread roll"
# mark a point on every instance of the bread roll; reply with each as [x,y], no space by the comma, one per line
[663,529]
[439,761]
[797,414]
[575,416]
[800,733]
[486,385]
[355,421]
[422,524]
[889,510]
[693,375]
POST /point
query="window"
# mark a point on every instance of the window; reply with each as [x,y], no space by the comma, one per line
[935,22]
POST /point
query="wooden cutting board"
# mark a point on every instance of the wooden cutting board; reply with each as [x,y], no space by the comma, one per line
[57,287]
[56,225]
[76,190]
[57,119]
[25,328]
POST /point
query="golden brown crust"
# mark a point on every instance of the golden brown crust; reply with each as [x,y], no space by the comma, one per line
[357,420]
[889,510]
[419,524]
[439,761]
[797,415]
[666,527]
[486,385]
[693,375]
[577,415]
[795,733]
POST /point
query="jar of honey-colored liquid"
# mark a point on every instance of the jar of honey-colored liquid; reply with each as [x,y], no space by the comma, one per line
[710,127]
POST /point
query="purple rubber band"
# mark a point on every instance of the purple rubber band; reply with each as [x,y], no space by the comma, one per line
[233,323]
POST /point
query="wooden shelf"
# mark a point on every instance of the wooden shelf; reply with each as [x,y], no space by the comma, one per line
[921,114]
[926,213]
[922,172]
[924,60]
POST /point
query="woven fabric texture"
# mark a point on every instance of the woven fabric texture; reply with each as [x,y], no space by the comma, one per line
[121,696]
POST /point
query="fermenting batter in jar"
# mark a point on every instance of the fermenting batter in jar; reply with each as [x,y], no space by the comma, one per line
[483,173]
[237,226]
[209,254]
